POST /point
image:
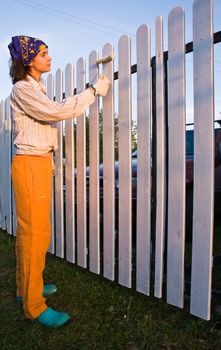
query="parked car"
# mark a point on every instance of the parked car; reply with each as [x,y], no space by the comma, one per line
[189,181]
[189,178]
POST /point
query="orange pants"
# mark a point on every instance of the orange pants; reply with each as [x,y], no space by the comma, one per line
[31,177]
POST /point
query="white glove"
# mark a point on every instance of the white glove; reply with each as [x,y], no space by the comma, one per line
[102,85]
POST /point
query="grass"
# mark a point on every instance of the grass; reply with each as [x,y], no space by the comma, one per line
[104,314]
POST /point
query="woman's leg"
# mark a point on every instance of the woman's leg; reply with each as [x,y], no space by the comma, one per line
[32,187]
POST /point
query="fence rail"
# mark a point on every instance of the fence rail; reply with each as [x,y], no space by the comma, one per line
[161,165]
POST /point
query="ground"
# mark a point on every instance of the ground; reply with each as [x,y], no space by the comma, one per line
[104,315]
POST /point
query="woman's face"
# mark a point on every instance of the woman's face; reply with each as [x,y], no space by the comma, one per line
[42,62]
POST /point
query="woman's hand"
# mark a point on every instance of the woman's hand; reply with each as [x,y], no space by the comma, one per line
[102,85]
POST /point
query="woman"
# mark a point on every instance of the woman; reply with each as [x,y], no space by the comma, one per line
[35,137]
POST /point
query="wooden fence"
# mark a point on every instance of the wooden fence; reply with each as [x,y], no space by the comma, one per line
[167,111]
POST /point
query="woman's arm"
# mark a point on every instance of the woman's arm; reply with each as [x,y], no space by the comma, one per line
[30,100]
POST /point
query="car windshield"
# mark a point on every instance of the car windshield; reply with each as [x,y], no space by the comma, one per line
[189,142]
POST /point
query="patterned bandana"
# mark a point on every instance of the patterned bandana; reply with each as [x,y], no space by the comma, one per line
[25,48]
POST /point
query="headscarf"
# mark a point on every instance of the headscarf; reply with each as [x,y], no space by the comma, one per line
[25,48]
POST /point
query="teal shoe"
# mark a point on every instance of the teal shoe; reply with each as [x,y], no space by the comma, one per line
[52,318]
[19,298]
[48,290]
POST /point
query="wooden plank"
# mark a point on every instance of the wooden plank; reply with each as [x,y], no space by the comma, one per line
[176,159]
[14,219]
[50,94]
[124,102]
[69,171]
[143,160]
[8,183]
[94,201]
[108,169]
[59,204]
[2,167]
[81,174]
[160,161]
[1,162]
[203,207]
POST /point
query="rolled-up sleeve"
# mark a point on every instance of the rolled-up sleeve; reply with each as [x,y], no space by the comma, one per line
[35,104]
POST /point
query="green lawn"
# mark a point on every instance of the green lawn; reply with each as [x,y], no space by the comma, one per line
[104,314]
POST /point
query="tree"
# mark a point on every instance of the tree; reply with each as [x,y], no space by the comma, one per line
[116,138]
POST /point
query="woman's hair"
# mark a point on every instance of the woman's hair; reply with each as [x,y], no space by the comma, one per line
[17,70]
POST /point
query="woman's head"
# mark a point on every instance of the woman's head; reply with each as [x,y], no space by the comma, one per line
[28,56]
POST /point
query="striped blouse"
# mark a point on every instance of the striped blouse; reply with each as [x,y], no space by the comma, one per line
[35,116]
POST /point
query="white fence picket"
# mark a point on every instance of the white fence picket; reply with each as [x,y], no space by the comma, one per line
[108,169]
[8,183]
[124,101]
[81,174]
[69,171]
[59,204]
[2,166]
[203,207]
[1,162]
[143,160]
[94,201]
[176,159]
[160,161]
[50,94]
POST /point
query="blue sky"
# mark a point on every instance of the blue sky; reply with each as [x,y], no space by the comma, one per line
[72,29]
